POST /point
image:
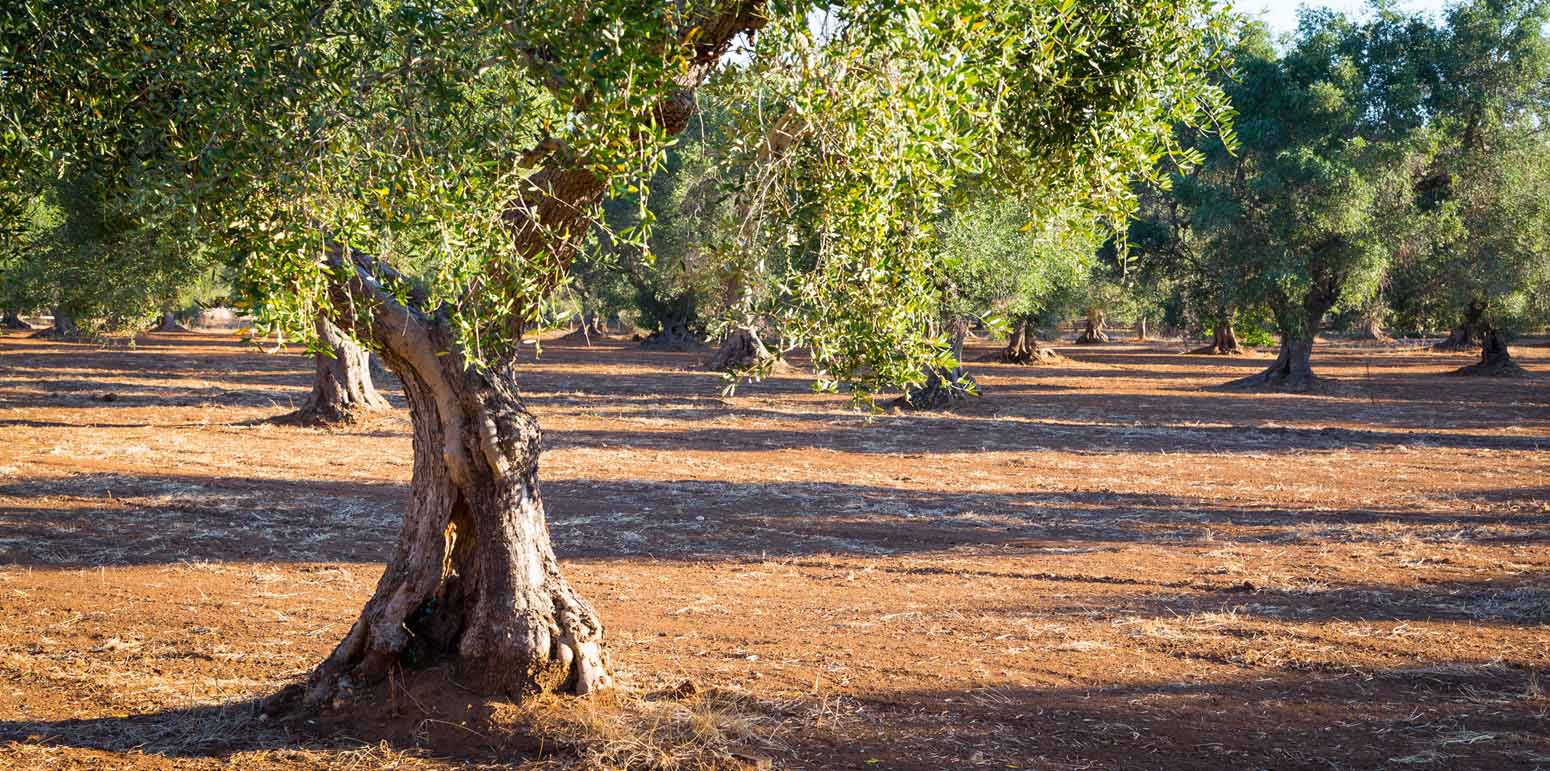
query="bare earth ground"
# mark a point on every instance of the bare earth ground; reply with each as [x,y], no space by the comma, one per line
[1097,566]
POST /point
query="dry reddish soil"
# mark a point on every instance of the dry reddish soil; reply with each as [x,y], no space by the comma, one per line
[1098,565]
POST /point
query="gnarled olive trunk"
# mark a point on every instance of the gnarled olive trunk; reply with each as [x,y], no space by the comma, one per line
[1495,359]
[1022,346]
[740,350]
[63,327]
[1224,340]
[677,333]
[1094,334]
[473,582]
[942,387]
[1293,369]
[342,389]
[1467,334]
[1372,329]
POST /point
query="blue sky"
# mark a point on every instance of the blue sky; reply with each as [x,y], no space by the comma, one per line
[1282,14]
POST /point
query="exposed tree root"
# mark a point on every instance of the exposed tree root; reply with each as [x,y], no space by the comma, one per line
[1495,360]
[740,350]
[940,391]
[342,388]
[1291,371]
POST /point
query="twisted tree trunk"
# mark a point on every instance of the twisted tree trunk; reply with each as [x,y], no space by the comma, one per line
[1224,341]
[1372,329]
[342,389]
[1293,368]
[473,581]
[1495,359]
[1467,334]
[943,387]
[62,328]
[1094,334]
[676,334]
[740,350]
[1023,347]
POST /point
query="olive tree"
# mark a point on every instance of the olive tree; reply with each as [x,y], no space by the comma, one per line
[426,176]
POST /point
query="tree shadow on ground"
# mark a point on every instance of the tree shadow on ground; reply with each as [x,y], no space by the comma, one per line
[90,520]
[1437,713]
[921,436]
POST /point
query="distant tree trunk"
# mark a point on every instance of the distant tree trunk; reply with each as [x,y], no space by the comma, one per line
[1467,334]
[676,334]
[1023,347]
[741,349]
[1094,333]
[1141,335]
[12,321]
[342,390]
[1224,341]
[64,326]
[1372,329]
[1495,359]
[943,387]
[169,323]
[1293,368]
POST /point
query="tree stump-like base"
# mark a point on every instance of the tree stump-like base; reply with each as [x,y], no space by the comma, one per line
[1458,340]
[1092,337]
[1027,355]
[342,389]
[1498,368]
[14,322]
[1495,359]
[940,391]
[673,338]
[741,350]
[1291,371]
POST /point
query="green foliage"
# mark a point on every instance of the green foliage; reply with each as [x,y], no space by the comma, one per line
[1000,265]
[1483,238]
[421,134]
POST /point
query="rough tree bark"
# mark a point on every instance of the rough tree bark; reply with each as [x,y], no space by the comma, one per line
[1141,335]
[1495,359]
[473,580]
[342,388]
[1094,334]
[1224,340]
[1372,329]
[741,349]
[943,387]
[1022,346]
[676,334]
[1467,334]
[1293,368]
[63,327]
